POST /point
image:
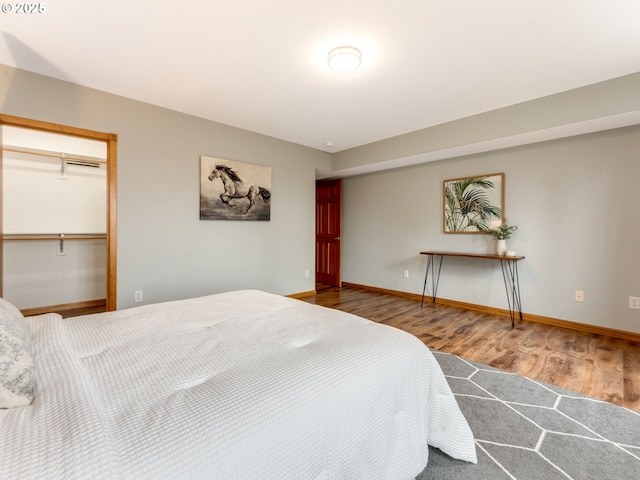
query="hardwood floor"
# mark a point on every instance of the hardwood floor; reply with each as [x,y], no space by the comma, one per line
[602,367]
[76,312]
[70,309]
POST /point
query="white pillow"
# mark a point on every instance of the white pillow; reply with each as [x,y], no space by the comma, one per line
[17,377]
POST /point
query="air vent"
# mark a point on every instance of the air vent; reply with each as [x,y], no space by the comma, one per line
[83,163]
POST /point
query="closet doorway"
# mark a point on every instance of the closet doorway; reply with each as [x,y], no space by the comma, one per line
[58,216]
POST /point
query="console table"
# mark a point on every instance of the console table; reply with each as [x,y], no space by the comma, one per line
[509,266]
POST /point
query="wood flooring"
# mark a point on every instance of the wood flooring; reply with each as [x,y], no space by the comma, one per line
[602,367]
[89,309]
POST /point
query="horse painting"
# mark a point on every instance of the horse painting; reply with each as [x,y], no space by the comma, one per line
[234,187]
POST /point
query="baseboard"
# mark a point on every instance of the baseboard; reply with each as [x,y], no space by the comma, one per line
[310,293]
[556,322]
[27,312]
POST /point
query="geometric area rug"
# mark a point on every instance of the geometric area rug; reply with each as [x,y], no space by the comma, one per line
[529,430]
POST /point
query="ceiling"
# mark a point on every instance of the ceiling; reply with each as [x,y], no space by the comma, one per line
[262,66]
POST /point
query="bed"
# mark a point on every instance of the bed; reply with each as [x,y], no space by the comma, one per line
[243,384]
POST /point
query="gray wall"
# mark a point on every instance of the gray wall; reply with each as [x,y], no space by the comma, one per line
[574,201]
[163,247]
[610,104]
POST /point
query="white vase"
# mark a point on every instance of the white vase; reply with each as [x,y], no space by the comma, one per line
[501,247]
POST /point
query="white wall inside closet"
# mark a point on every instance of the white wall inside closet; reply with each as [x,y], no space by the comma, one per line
[53,195]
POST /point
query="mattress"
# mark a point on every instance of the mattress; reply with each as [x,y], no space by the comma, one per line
[242,384]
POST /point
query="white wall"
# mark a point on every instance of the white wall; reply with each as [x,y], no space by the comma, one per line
[35,275]
[37,199]
[163,247]
[574,201]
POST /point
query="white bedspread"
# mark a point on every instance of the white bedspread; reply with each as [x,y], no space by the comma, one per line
[237,385]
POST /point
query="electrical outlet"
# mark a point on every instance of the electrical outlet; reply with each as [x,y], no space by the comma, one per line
[138,295]
[579,296]
[406,274]
[634,302]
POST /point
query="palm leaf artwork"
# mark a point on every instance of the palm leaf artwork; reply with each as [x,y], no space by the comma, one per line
[468,204]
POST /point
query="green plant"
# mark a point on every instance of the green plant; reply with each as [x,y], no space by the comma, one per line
[467,205]
[502,232]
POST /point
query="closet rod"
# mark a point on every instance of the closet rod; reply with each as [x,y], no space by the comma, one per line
[47,153]
[53,236]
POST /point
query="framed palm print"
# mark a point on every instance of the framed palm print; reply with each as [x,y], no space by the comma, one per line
[473,204]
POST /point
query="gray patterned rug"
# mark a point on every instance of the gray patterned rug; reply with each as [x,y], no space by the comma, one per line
[528,430]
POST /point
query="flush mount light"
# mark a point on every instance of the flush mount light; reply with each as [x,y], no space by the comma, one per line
[344,59]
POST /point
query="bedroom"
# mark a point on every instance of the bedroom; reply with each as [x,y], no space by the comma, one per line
[159,150]
[166,251]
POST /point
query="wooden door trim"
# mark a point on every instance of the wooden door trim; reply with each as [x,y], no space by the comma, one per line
[111,139]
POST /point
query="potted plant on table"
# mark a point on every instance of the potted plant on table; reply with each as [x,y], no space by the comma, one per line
[502,233]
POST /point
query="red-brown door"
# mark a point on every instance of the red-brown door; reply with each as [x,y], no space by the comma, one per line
[328,231]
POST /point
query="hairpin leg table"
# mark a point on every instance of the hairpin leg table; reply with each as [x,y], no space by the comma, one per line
[509,265]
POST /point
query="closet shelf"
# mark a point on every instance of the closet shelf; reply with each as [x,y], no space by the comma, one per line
[49,153]
[53,236]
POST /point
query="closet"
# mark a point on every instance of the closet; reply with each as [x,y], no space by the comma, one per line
[57,218]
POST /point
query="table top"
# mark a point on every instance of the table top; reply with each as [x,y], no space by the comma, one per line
[514,258]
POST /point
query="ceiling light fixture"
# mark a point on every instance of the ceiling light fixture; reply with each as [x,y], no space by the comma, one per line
[344,59]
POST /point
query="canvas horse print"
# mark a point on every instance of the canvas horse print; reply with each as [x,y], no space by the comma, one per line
[232,190]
